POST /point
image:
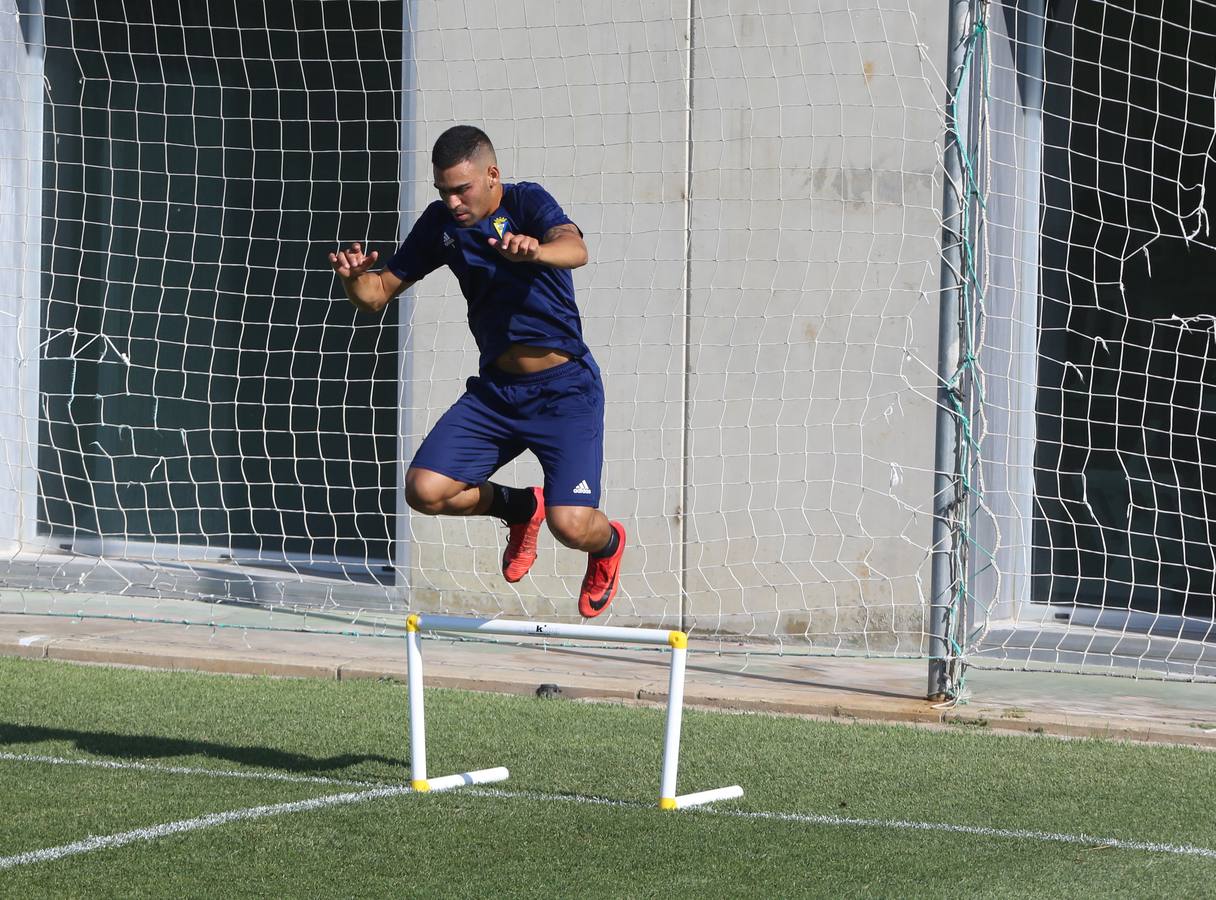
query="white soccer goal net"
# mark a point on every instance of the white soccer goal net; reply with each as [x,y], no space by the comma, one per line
[1095,257]
[191,413]
[760,195]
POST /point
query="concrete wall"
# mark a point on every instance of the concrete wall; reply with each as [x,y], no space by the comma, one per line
[806,262]
[20,260]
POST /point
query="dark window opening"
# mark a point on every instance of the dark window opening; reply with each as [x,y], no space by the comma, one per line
[1126,418]
[201,160]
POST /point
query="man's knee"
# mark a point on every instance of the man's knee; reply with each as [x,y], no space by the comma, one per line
[429,492]
[570,524]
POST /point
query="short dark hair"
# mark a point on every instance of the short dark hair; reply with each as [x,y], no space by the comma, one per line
[458,144]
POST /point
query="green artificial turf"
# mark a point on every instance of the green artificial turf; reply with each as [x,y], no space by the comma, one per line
[539,834]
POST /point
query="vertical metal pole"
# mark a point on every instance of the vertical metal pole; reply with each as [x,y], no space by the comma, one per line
[686,335]
[946,492]
[675,714]
[410,138]
[413,657]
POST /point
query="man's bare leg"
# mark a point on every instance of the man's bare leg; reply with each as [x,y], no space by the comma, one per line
[438,495]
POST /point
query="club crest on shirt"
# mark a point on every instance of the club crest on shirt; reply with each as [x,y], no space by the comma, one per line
[500,224]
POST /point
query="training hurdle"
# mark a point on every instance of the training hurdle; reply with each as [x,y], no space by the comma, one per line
[676,640]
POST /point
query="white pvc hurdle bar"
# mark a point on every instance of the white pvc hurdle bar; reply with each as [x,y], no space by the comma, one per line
[677,640]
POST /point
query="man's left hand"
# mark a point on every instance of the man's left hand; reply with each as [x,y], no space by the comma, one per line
[517,247]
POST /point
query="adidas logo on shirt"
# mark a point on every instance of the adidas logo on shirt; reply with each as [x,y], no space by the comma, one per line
[581,488]
[447,240]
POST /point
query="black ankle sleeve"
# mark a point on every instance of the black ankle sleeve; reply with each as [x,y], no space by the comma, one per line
[511,504]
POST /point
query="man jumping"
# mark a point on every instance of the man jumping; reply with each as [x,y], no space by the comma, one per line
[538,388]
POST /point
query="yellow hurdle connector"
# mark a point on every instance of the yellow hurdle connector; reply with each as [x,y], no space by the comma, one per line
[678,640]
[421,786]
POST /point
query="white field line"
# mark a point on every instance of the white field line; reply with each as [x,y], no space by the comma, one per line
[1020,834]
[152,832]
[99,843]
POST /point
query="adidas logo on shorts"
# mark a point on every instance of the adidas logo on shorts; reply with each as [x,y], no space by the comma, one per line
[581,488]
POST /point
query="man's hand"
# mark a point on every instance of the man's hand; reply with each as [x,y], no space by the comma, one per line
[369,291]
[351,263]
[517,247]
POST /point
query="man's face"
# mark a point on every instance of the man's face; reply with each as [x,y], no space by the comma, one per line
[469,190]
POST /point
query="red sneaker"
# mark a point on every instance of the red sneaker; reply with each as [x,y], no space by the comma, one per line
[601,581]
[517,559]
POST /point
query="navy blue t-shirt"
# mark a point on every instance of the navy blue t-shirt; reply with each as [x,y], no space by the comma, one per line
[509,302]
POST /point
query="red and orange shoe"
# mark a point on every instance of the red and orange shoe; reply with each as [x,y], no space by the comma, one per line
[601,581]
[517,559]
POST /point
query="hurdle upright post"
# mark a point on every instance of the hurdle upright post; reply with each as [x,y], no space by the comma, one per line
[413,682]
[413,686]
[675,719]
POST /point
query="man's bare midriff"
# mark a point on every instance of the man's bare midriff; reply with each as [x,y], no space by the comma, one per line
[522,359]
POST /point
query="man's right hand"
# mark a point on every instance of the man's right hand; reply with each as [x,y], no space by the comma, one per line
[351,262]
[369,291]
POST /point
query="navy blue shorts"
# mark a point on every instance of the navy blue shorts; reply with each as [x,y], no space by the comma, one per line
[558,414]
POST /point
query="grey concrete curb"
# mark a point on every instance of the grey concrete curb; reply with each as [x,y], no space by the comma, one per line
[820,703]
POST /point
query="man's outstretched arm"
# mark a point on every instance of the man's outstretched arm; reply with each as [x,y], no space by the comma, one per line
[369,291]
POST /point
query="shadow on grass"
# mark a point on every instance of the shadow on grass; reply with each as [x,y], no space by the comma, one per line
[145,747]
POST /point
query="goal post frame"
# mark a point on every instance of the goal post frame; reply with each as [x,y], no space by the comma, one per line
[948,484]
